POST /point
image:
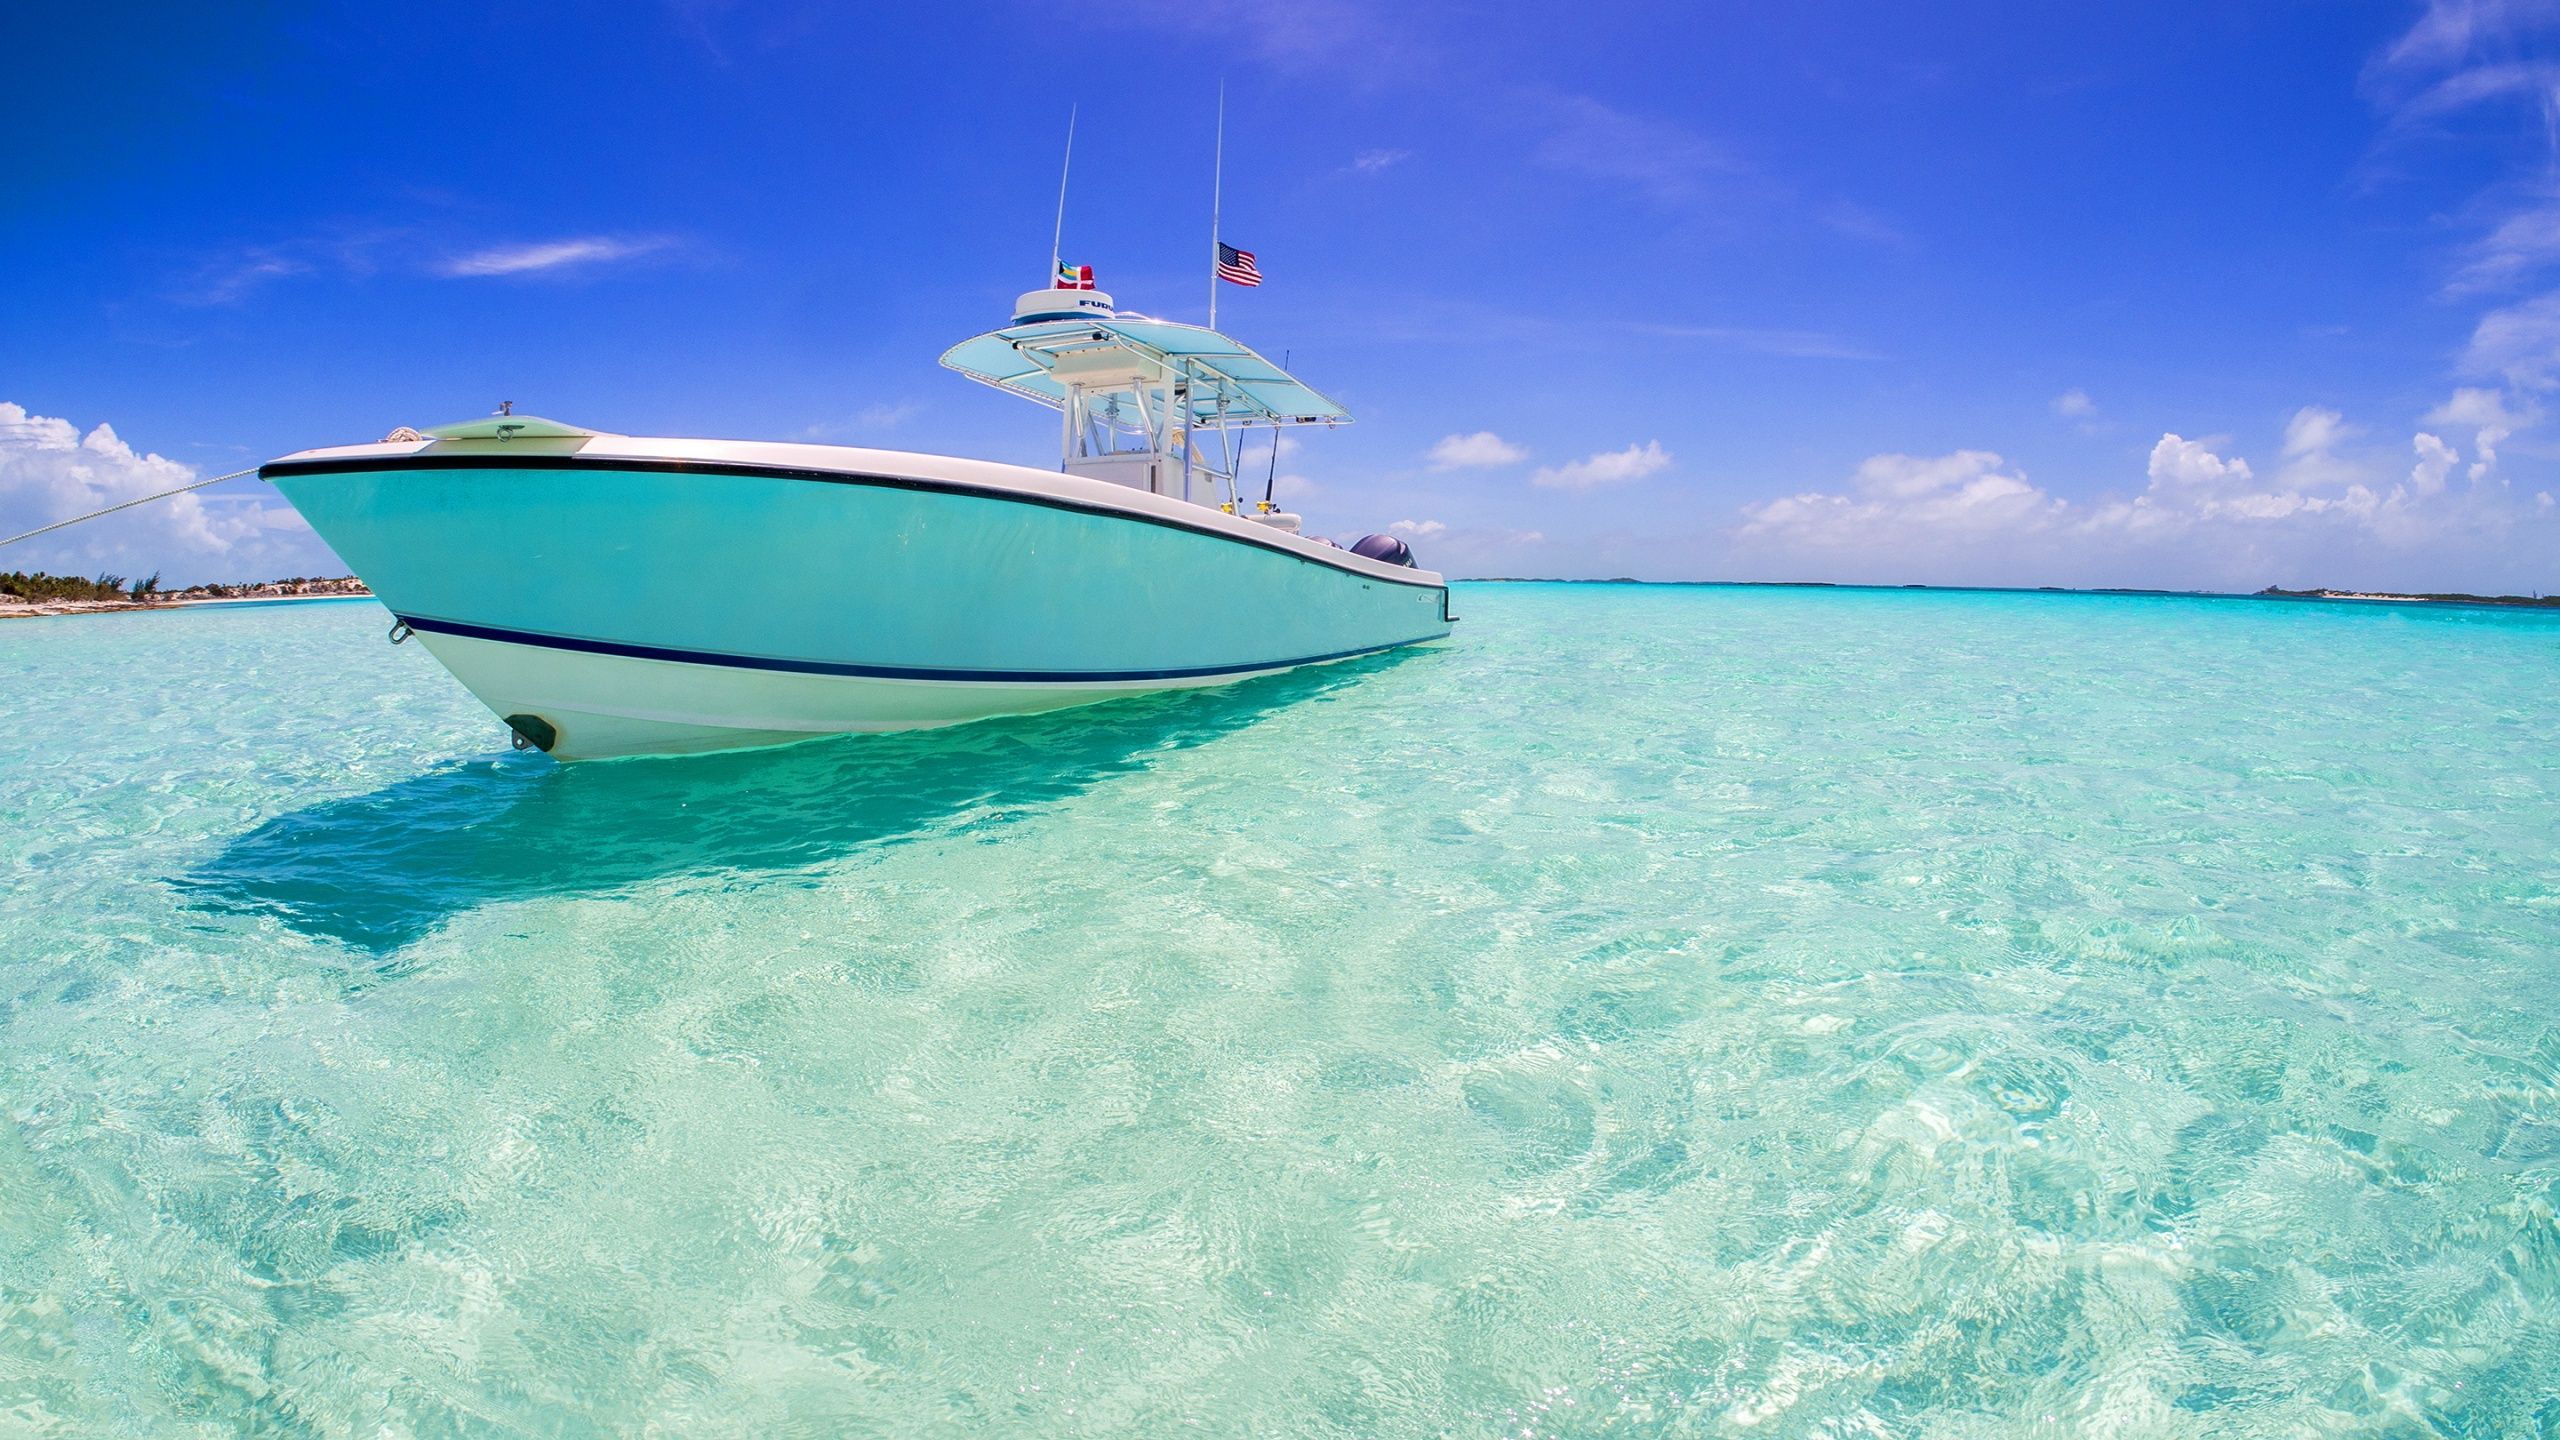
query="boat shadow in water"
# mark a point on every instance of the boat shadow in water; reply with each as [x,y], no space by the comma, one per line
[378,871]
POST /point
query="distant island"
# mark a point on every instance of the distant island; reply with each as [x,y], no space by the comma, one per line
[2277,593]
[2272,592]
[35,593]
[27,593]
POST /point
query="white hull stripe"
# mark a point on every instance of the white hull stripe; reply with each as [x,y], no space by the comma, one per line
[586,646]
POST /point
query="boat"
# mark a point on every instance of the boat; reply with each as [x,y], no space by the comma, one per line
[613,595]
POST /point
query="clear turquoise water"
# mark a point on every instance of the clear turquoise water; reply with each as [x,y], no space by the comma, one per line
[1664,1011]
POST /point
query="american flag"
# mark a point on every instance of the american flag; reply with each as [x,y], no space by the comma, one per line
[1237,265]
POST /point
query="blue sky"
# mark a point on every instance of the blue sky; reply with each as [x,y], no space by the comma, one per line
[2195,296]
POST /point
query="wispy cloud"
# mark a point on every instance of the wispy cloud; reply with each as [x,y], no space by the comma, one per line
[873,419]
[550,255]
[1795,344]
[1667,163]
[1343,40]
[1442,320]
[355,252]
[230,280]
[1848,217]
[1370,162]
[1611,467]
[2075,404]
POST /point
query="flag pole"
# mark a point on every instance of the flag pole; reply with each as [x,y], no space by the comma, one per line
[1058,237]
[1217,197]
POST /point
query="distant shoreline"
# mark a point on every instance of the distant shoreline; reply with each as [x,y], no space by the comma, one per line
[16,607]
[347,587]
[2272,592]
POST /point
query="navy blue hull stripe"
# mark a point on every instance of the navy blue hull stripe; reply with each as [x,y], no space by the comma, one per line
[372,464]
[874,672]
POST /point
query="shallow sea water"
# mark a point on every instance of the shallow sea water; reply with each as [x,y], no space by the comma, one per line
[1661,1011]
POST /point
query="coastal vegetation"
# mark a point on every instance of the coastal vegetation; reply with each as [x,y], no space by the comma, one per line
[24,592]
[37,585]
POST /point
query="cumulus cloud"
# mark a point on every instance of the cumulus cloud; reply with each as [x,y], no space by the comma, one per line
[1967,492]
[2491,420]
[1608,468]
[2202,518]
[1480,451]
[2335,510]
[2177,461]
[2436,460]
[50,471]
[549,255]
[1419,529]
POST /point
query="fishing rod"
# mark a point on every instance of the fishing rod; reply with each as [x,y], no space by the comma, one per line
[1273,479]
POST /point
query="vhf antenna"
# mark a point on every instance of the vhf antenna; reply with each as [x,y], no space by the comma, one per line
[1058,237]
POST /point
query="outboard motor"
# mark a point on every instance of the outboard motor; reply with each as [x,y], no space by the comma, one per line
[1384,547]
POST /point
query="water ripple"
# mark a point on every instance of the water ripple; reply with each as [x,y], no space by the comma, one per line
[1660,1012]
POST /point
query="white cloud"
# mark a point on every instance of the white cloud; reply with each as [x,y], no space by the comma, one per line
[2201,519]
[2436,460]
[2520,342]
[2491,420]
[2177,461]
[1608,468]
[1370,162]
[1967,492]
[1905,477]
[549,255]
[2335,512]
[50,471]
[1479,451]
[1420,529]
[2314,430]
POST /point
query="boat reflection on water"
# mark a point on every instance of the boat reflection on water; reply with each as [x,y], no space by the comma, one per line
[380,870]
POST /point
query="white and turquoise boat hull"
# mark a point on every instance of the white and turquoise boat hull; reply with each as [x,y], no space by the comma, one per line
[615,596]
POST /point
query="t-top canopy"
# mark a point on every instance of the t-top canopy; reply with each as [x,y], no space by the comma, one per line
[1227,380]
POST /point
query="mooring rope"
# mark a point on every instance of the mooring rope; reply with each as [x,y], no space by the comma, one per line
[127,505]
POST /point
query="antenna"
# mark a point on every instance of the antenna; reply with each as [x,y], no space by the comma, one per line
[1058,237]
[1217,195]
